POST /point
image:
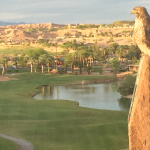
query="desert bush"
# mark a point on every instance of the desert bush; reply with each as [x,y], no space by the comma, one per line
[100,70]
[61,71]
[127,85]
[115,65]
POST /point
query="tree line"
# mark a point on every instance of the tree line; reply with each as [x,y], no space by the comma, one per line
[82,57]
[37,57]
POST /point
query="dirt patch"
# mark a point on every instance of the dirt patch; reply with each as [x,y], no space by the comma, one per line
[3,78]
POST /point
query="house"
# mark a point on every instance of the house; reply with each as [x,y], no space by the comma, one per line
[72,25]
[117,35]
[60,37]
[61,60]
[133,67]
[125,25]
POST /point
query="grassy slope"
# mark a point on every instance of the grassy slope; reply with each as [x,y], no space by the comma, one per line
[7,144]
[12,50]
[58,124]
[19,49]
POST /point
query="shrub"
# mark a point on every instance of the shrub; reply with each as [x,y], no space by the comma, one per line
[135,60]
[123,70]
[70,73]
[127,85]
[89,69]
[61,71]
[100,70]
[138,62]
[115,65]
[134,72]
[105,65]
[16,70]
[37,68]
[8,71]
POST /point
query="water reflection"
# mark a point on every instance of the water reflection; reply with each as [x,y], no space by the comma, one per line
[106,88]
[124,103]
[99,96]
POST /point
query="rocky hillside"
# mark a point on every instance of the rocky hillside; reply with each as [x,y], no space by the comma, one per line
[32,33]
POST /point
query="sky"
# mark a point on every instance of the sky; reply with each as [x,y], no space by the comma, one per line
[69,11]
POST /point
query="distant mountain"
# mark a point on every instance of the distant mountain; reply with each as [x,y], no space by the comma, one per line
[10,23]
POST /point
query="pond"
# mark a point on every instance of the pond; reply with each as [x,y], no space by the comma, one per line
[98,96]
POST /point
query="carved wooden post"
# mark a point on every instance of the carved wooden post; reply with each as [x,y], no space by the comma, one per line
[139,114]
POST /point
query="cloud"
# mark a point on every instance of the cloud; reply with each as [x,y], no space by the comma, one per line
[144,1]
[69,11]
[11,16]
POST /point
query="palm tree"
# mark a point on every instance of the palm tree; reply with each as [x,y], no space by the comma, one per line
[42,60]
[37,53]
[95,51]
[106,53]
[4,60]
[15,59]
[133,50]
[32,60]
[80,55]
[70,59]
[89,68]
[114,47]
[23,60]
[65,66]
[115,64]
[80,65]
[121,52]
[32,57]
[65,52]
[49,60]
[90,53]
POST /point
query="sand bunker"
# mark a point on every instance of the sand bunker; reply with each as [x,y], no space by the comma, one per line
[2,78]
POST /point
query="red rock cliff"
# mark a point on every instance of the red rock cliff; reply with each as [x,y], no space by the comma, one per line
[139,115]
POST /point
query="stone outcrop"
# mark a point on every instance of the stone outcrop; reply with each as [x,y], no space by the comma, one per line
[15,35]
[139,114]
[36,26]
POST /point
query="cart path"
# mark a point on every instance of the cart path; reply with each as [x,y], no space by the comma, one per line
[22,144]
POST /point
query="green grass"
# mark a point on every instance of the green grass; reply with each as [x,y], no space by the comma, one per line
[57,125]
[18,49]
[7,144]
[12,50]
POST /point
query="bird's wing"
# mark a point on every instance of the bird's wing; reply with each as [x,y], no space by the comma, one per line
[146,25]
[134,37]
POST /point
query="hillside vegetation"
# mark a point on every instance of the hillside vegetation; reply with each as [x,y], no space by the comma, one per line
[57,124]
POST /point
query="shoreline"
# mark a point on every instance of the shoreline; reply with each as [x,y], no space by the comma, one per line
[92,81]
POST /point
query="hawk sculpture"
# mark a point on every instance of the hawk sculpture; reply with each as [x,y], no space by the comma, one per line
[141,34]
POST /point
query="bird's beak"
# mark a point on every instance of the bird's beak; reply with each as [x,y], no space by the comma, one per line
[132,12]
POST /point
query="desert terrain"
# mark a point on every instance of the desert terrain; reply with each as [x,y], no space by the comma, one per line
[31,34]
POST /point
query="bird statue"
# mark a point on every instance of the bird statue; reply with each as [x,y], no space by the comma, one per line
[141,33]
